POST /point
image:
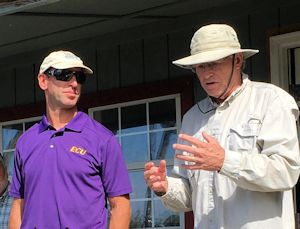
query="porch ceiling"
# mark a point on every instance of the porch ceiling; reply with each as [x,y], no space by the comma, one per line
[66,20]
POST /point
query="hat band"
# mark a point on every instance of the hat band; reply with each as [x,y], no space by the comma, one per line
[198,48]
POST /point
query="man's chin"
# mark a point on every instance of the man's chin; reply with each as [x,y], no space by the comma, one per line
[70,104]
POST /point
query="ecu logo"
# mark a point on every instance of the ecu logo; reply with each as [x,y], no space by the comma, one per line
[78,150]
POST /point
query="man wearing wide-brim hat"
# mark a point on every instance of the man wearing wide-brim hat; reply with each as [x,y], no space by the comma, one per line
[237,156]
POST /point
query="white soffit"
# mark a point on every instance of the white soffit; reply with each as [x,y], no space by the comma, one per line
[9,7]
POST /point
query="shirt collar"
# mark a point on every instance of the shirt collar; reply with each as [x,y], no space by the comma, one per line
[238,90]
[210,104]
[76,124]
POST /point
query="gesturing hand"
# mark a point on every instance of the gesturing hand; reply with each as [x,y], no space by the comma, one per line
[206,155]
[156,177]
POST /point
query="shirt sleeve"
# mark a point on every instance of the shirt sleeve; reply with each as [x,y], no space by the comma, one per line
[179,194]
[178,197]
[17,185]
[274,163]
[115,174]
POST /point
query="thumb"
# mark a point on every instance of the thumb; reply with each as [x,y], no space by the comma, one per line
[208,138]
[162,166]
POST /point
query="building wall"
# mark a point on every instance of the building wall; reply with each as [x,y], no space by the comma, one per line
[144,54]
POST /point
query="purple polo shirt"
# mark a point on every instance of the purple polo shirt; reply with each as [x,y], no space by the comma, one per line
[65,176]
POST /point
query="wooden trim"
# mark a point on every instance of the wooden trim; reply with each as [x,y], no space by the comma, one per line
[21,112]
[184,86]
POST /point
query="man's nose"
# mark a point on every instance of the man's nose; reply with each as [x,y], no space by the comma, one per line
[73,81]
[205,72]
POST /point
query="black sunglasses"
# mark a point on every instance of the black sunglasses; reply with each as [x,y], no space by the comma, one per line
[66,74]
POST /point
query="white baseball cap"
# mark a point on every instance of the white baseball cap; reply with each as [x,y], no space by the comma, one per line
[63,60]
[213,42]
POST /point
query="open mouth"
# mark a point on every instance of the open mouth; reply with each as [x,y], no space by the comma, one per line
[210,83]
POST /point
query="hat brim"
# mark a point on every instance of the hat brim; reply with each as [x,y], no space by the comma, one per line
[210,56]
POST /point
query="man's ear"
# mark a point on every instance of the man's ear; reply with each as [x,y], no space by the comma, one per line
[42,79]
[239,60]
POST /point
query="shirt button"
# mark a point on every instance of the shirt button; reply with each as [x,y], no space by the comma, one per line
[51,146]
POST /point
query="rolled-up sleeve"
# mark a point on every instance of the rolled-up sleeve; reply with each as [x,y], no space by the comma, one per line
[178,196]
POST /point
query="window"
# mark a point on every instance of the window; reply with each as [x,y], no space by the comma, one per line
[146,130]
[280,58]
[10,132]
[285,62]
[294,72]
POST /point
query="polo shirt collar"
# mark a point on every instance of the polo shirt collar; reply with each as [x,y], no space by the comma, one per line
[76,124]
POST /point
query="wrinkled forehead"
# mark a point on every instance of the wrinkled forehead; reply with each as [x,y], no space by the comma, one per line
[219,61]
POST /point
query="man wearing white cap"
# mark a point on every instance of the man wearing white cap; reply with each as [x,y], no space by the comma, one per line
[237,157]
[68,165]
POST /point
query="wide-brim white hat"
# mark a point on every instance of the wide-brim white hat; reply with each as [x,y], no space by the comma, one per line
[213,42]
[63,60]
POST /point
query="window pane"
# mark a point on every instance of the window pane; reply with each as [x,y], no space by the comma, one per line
[143,137]
[141,214]
[10,134]
[161,144]
[133,119]
[140,189]
[108,118]
[162,114]
[164,217]
[135,148]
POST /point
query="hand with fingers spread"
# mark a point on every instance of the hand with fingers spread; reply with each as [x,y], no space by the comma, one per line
[206,155]
[156,177]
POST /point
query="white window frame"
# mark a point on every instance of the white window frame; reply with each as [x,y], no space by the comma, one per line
[279,61]
[14,122]
[140,165]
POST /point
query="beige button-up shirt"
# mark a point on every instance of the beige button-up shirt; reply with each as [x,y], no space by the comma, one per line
[256,126]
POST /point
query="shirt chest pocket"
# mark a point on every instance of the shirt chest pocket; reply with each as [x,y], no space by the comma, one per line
[243,137]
